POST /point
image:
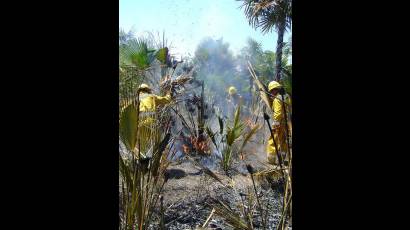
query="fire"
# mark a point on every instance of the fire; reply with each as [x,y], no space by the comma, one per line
[200,145]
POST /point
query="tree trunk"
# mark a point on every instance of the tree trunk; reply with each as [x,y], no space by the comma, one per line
[279,47]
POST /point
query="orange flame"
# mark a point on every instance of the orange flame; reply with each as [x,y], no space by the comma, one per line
[202,146]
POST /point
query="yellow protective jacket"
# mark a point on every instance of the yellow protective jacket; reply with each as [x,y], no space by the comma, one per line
[278,112]
[279,127]
[149,132]
[150,102]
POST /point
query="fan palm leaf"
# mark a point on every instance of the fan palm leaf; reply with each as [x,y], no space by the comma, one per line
[138,53]
[128,127]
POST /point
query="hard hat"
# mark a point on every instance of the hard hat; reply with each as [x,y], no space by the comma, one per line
[145,88]
[232,90]
[273,85]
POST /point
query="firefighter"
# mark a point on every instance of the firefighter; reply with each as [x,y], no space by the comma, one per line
[234,99]
[150,102]
[149,130]
[276,92]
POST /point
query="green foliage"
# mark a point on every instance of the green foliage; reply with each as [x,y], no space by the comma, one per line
[287,79]
[162,55]
[142,182]
[262,61]
[267,14]
[235,131]
[141,177]
[226,157]
[220,70]
[266,66]
[232,135]
[287,48]
[128,127]
[137,53]
[252,51]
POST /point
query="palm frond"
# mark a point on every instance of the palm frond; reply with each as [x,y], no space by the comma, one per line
[128,127]
[138,53]
[237,115]
[162,55]
[234,133]
[267,14]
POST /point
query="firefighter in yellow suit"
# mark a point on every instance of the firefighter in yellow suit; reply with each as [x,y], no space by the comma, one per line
[149,102]
[234,99]
[279,123]
[149,128]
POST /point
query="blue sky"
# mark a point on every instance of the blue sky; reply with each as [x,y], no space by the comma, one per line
[187,22]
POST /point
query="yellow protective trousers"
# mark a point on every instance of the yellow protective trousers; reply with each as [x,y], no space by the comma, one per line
[279,129]
[279,134]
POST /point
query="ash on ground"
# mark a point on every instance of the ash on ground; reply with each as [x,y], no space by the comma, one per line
[188,197]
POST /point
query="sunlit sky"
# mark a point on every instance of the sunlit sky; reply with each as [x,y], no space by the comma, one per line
[187,22]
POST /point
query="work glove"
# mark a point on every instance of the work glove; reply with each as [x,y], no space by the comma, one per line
[275,125]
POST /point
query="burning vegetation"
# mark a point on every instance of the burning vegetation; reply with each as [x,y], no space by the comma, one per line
[208,119]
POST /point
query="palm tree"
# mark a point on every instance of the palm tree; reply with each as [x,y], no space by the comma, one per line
[268,15]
